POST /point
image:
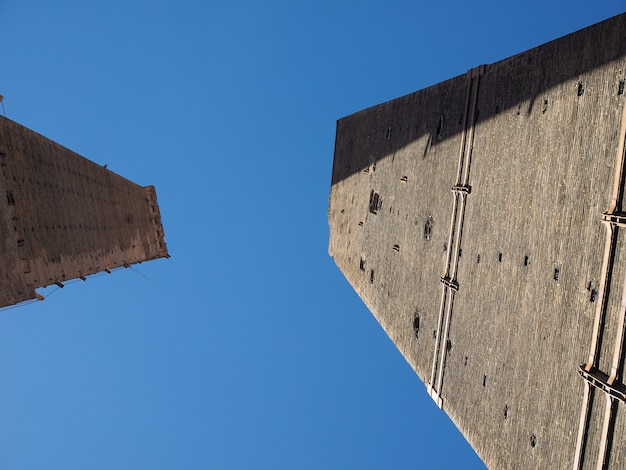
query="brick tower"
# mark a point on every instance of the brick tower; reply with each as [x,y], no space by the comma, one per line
[66,217]
[481,220]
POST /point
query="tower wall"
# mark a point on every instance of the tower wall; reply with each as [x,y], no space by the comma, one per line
[491,291]
[67,217]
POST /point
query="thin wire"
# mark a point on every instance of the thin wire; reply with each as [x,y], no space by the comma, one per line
[51,292]
[142,275]
[68,282]
[21,304]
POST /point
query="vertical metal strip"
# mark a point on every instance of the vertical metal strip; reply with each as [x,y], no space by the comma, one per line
[444,289]
[582,427]
[598,326]
[454,238]
[463,180]
[603,456]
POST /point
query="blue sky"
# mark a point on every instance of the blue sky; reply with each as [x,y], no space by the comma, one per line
[246,349]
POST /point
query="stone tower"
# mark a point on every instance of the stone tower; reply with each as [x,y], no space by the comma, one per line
[481,220]
[66,217]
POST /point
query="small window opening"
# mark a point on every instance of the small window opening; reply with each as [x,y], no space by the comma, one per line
[20,242]
[439,130]
[428,228]
[10,198]
[416,325]
[376,202]
[581,89]
[620,89]
[557,272]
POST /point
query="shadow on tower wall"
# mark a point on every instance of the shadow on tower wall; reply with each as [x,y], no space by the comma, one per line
[516,84]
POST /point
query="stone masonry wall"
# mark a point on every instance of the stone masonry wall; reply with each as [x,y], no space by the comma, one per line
[543,148]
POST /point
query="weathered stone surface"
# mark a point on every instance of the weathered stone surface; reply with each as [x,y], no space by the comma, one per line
[541,135]
[65,217]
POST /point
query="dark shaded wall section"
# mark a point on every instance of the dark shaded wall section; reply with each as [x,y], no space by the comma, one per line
[66,217]
[561,60]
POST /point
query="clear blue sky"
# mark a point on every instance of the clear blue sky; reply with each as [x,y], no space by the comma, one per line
[247,349]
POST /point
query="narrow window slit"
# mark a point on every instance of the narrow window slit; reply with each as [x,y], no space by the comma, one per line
[376,202]
[416,324]
[439,130]
[428,227]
